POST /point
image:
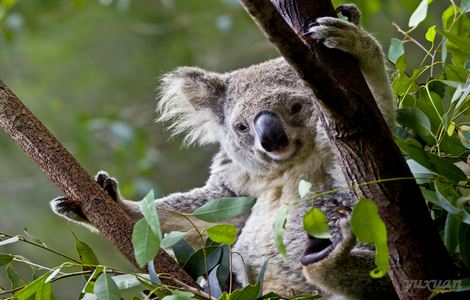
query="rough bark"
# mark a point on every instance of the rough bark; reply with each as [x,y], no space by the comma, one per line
[361,140]
[67,174]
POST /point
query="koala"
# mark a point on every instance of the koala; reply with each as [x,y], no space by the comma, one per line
[270,138]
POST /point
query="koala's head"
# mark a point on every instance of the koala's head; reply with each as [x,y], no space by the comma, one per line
[262,116]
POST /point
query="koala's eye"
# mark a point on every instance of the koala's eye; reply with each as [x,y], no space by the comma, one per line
[297,107]
[241,127]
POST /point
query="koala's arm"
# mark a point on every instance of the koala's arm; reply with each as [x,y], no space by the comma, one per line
[351,38]
[215,187]
[345,272]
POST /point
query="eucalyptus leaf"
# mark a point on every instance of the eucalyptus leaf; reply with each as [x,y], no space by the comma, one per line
[182,251]
[126,281]
[304,188]
[32,288]
[148,209]
[396,50]
[223,233]
[172,238]
[416,120]
[106,288]
[431,34]
[451,232]
[146,244]
[223,208]
[447,196]
[316,224]
[5,258]
[13,276]
[465,6]
[439,165]
[87,256]
[419,14]
[196,264]
[278,229]
[215,289]
[10,240]
[368,227]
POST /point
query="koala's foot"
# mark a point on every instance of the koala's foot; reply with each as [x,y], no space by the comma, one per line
[344,271]
[72,210]
[346,36]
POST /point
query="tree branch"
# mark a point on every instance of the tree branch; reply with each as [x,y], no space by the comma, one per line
[361,140]
[67,174]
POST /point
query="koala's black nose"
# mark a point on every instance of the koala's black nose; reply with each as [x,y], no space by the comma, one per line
[270,131]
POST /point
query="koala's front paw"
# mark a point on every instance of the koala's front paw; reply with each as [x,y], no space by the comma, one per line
[72,210]
[345,36]
[351,12]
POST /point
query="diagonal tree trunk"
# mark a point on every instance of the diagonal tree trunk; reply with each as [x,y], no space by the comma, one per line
[67,174]
[361,140]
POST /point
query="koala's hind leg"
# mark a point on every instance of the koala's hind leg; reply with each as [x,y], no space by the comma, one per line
[345,272]
[346,36]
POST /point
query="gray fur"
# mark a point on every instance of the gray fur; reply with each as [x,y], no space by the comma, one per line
[209,106]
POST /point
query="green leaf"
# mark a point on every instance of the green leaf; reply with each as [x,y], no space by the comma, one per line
[447,17]
[172,238]
[179,297]
[416,120]
[439,165]
[451,233]
[146,244]
[106,288]
[5,258]
[87,256]
[13,276]
[260,279]
[304,188]
[404,84]
[45,292]
[250,292]
[126,281]
[147,207]
[224,208]
[462,41]
[464,243]
[316,224]
[90,283]
[182,251]
[278,229]
[368,227]
[419,14]
[396,50]
[447,196]
[10,240]
[430,196]
[465,6]
[196,264]
[223,233]
[431,34]
[32,288]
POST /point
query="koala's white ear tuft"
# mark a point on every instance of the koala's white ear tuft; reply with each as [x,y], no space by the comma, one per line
[192,99]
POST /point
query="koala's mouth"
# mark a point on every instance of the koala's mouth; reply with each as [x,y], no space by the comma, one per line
[317,249]
[285,155]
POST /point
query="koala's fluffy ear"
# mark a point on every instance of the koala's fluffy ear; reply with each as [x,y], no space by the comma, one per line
[192,99]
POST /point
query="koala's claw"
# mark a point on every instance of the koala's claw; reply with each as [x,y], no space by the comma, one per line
[351,12]
[72,210]
[109,184]
[67,208]
[318,249]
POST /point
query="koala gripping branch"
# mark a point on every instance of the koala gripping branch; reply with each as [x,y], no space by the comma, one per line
[361,139]
[67,174]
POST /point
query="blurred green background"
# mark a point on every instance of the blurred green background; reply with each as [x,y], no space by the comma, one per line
[89,70]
